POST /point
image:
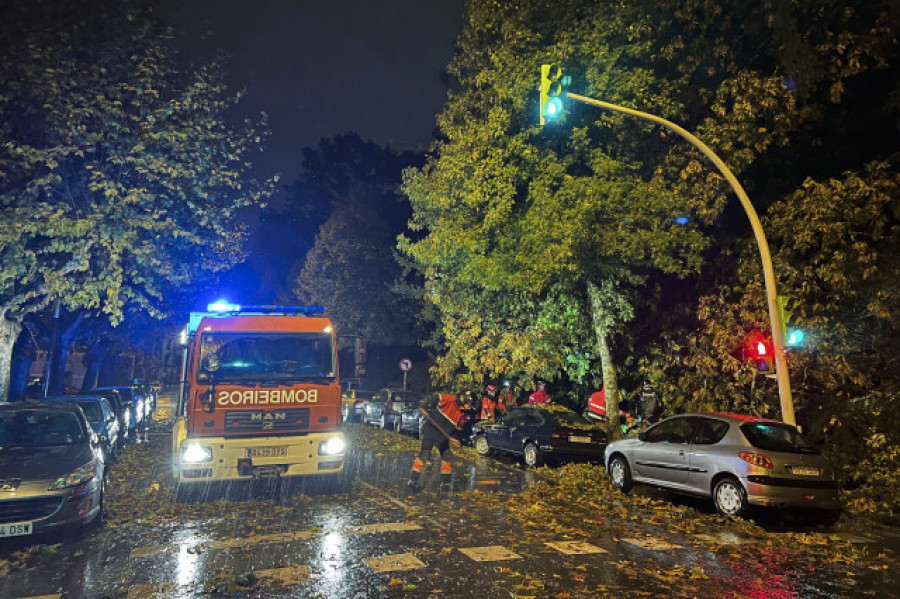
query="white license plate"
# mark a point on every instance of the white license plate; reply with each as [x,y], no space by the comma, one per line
[15,530]
[266,452]
[577,439]
[805,470]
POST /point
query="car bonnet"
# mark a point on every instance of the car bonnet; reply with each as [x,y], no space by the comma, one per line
[43,463]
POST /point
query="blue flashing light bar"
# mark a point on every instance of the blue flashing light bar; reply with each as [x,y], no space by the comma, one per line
[225,307]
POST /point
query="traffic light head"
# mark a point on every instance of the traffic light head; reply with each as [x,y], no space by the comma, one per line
[553,88]
[794,338]
[761,353]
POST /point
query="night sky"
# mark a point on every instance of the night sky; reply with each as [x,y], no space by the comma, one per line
[323,68]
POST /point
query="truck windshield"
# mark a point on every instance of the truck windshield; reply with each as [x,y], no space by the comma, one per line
[266,357]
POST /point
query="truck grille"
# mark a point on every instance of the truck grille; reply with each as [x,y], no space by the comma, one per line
[247,421]
[21,510]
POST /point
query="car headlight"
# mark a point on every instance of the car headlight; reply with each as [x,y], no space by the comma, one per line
[80,475]
[194,454]
[333,446]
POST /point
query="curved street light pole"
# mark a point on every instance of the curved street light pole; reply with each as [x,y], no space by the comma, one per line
[781,369]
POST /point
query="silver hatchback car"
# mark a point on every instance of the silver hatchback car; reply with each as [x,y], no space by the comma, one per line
[736,460]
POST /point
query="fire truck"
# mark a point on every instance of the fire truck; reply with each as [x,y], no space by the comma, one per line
[260,396]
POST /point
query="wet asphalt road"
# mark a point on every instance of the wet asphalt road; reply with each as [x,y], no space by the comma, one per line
[366,536]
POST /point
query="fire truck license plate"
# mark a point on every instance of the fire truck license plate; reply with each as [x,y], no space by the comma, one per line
[266,452]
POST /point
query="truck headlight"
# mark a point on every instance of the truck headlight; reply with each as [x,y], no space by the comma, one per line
[333,446]
[194,454]
[76,477]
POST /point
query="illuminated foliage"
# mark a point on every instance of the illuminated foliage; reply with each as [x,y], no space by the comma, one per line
[121,177]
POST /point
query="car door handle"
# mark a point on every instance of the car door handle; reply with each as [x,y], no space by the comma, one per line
[681,452]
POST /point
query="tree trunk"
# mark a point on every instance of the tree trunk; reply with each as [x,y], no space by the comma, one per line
[60,359]
[93,361]
[9,332]
[601,324]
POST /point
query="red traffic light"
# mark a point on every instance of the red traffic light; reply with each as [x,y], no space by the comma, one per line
[760,350]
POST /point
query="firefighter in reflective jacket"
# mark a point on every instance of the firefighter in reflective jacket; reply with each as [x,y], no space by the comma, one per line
[441,421]
[489,403]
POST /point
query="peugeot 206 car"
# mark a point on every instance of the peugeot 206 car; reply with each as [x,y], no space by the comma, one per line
[539,433]
[738,461]
[51,468]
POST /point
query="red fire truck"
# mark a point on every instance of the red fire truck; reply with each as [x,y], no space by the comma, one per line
[260,396]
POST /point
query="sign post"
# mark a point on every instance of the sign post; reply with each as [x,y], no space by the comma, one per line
[405,366]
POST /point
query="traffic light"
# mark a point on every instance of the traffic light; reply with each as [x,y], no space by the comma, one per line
[553,88]
[793,337]
[762,353]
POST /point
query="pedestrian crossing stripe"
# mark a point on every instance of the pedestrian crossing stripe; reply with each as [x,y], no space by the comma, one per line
[290,575]
[394,563]
[490,553]
[575,547]
[652,543]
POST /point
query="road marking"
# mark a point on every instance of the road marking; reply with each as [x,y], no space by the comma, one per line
[490,553]
[56,596]
[290,575]
[160,590]
[394,563]
[652,544]
[575,547]
[384,527]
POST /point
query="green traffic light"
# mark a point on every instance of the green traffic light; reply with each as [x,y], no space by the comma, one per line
[795,337]
[553,107]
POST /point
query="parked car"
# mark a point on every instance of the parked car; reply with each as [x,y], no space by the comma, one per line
[121,409]
[736,460]
[101,417]
[401,413]
[373,407]
[353,405]
[51,468]
[133,398]
[538,433]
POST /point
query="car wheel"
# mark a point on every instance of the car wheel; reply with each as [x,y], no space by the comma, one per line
[482,446]
[619,474]
[730,497]
[532,455]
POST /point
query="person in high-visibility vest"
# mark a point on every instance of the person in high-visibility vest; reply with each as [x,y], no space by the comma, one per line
[443,419]
[489,403]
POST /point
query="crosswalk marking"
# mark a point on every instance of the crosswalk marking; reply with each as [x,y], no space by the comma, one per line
[160,590]
[287,576]
[575,547]
[490,553]
[652,543]
[394,563]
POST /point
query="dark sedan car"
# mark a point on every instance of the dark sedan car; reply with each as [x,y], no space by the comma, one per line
[102,418]
[735,460]
[123,409]
[539,433]
[51,469]
[134,399]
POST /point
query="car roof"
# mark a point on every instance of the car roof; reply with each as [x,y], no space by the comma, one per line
[94,398]
[40,405]
[734,417]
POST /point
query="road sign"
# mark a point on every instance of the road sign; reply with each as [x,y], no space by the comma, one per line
[405,364]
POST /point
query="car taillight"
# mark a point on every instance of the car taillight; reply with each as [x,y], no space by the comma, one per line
[390,406]
[757,459]
[561,434]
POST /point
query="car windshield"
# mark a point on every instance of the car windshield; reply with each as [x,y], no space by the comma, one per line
[243,357]
[92,410]
[776,437]
[39,428]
